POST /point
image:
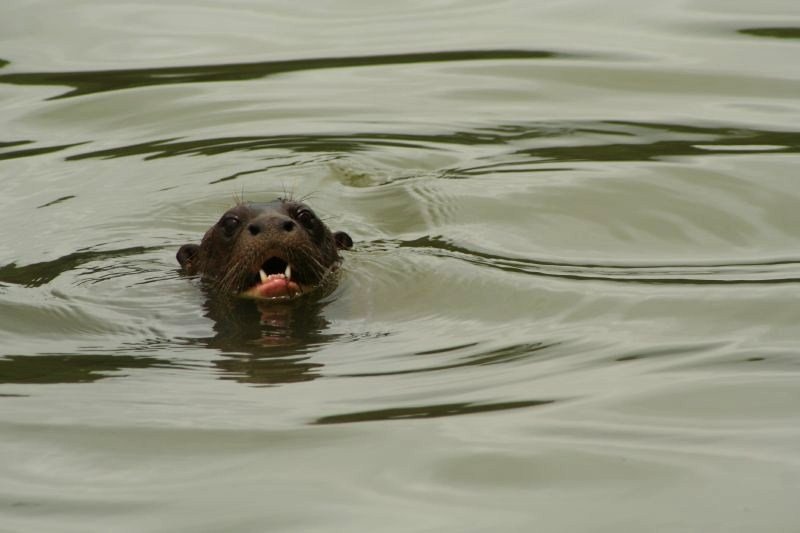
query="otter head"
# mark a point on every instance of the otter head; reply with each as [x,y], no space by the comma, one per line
[279,249]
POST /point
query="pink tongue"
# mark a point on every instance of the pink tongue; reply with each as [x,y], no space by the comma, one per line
[274,287]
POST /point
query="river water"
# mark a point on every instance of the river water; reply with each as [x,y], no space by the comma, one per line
[572,304]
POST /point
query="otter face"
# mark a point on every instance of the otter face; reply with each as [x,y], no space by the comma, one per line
[280,249]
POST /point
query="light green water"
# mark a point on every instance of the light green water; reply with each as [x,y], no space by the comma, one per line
[572,304]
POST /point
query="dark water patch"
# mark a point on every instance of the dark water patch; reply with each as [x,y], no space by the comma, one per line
[88,82]
[211,147]
[658,150]
[788,32]
[665,352]
[50,369]
[9,144]
[767,272]
[35,151]
[427,411]
[447,349]
[37,274]
[702,141]
[56,201]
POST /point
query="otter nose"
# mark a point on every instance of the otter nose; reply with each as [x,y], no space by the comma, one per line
[278,224]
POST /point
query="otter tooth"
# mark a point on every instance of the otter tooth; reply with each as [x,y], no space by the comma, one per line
[263,275]
[288,272]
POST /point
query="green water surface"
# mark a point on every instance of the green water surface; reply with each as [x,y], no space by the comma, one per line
[572,304]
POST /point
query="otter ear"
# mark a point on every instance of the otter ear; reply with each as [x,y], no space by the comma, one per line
[343,240]
[186,254]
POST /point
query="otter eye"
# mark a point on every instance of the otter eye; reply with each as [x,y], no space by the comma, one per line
[306,218]
[229,224]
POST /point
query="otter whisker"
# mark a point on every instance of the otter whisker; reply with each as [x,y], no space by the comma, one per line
[307,197]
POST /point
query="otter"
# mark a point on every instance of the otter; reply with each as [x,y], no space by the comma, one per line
[277,250]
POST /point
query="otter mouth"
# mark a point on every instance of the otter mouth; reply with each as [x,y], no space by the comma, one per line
[273,281]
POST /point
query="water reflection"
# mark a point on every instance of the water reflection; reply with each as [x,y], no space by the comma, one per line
[113,80]
[427,411]
[50,369]
[29,152]
[56,201]
[266,342]
[780,33]
[689,141]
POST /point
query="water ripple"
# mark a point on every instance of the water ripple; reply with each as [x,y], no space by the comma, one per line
[503,355]
[769,272]
[38,274]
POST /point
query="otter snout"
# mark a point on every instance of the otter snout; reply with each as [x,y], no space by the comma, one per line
[271,223]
